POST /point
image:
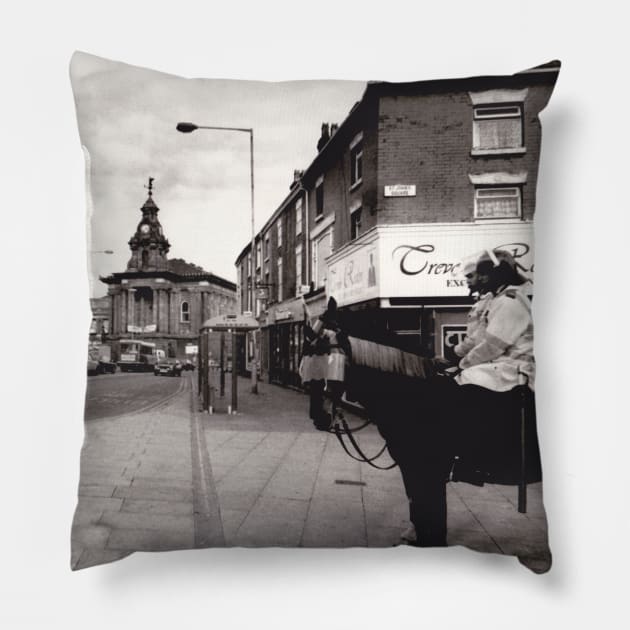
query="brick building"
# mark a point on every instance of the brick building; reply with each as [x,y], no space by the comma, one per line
[416,178]
[161,300]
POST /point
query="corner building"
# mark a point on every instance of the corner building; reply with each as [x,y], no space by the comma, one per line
[418,177]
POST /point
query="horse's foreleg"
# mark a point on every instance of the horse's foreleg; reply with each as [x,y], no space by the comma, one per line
[428,508]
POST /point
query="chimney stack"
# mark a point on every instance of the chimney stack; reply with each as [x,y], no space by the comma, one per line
[297,175]
[324,138]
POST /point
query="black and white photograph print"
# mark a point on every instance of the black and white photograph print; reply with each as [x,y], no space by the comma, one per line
[311,313]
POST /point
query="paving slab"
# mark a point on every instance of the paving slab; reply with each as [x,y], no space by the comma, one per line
[176,508]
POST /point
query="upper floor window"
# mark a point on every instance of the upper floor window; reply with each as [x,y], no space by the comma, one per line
[249,265]
[497,127]
[280,284]
[498,202]
[298,267]
[355,223]
[356,160]
[184,312]
[258,254]
[279,229]
[321,248]
[319,197]
[298,217]
[266,247]
[498,121]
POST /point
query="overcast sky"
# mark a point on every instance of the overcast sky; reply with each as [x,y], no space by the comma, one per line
[127,117]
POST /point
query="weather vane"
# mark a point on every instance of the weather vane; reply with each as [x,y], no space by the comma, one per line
[150,186]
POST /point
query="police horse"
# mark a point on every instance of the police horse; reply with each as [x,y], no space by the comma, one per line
[432,439]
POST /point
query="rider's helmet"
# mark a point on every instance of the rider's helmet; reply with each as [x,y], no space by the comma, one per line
[497,268]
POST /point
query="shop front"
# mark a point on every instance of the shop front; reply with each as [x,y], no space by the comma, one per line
[284,339]
[403,284]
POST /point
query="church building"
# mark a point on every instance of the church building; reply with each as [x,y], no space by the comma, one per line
[161,300]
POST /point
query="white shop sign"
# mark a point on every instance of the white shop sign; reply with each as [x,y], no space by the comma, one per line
[354,277]
[422,260]
[426,261]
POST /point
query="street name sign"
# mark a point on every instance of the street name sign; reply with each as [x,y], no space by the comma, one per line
[400,190]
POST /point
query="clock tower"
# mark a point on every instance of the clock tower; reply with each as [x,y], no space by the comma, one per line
[148,245]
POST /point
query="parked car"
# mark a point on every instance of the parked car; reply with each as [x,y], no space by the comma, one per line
[106,367]
[189,365]
[100,367]
[168,367]
[92,367]
[100,359]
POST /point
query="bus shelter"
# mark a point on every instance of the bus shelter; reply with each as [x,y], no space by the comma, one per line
[211,374]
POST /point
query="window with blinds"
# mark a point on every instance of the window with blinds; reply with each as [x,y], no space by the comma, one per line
[497,127]
[502,202]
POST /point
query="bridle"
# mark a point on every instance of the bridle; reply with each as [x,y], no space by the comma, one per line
[345,429]
[341,428]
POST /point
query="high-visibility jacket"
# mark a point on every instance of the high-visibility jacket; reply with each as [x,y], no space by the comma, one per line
[503,356]
[325,360]
[475,326]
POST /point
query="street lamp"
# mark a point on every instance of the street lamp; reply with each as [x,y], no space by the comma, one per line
[188,127]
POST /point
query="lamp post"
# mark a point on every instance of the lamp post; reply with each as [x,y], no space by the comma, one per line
[187,127]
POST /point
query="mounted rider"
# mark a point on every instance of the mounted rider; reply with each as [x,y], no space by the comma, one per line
[474,318]
[324,362]
[500,353]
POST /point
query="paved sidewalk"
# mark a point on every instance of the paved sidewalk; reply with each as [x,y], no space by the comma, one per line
[136,488]
[175,478]
[280,482]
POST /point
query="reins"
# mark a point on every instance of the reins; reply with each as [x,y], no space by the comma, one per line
[363,458]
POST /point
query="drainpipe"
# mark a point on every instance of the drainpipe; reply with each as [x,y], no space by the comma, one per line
[308,237]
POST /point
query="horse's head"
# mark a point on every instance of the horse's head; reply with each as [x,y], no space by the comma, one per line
[330,317]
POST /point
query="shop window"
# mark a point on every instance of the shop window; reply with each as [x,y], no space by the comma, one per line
[502,202]
[184,312]
[355,223]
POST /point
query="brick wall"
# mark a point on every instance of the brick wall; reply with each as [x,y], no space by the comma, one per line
[426,140]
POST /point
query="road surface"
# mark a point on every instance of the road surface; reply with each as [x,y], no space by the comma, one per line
[110,395]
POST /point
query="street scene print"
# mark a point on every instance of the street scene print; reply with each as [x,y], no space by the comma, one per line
[311,313]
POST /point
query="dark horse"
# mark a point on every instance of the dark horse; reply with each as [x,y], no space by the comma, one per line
[432,431]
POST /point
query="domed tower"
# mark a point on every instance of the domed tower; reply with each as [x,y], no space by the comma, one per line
[148,245]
